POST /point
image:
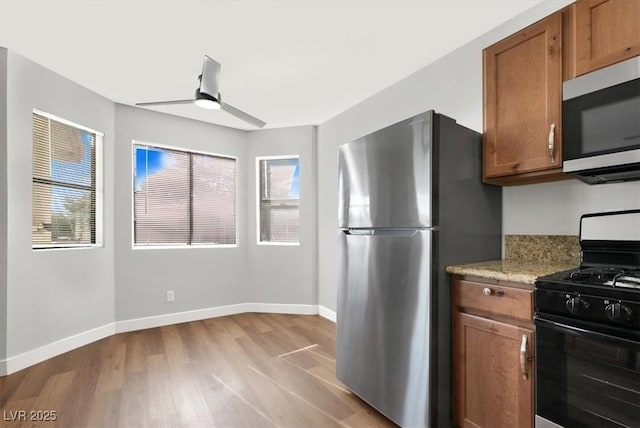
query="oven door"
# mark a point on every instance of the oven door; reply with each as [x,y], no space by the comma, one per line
[585,378]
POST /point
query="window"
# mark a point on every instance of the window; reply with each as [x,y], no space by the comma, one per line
[279,199]
[182,198]
[65,180]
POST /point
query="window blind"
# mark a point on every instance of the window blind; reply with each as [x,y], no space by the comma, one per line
[64,184]
[279,200]
[214,200]
[183,198]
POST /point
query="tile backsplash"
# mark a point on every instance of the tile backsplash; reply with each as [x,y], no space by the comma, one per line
[543,248]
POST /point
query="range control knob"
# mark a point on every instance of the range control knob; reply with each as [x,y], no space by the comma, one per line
[577,305]
[618,312]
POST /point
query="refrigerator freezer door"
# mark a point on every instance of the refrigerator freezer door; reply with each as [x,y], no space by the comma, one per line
[384,179]
[383,328]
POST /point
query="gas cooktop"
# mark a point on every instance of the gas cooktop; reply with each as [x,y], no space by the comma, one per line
[605,289]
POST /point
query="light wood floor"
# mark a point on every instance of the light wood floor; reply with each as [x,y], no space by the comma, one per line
[249,370]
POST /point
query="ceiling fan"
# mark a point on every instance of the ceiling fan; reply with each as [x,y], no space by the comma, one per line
[208,96]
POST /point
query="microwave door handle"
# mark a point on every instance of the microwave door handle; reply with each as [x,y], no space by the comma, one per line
[551,145]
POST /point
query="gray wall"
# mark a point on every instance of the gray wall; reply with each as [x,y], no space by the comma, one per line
[52,294]
[284,274]
[211,277]
[555,208]
[200,277]
[453,86]
[3,205]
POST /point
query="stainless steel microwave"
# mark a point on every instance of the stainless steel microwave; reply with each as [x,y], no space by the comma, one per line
[601,124]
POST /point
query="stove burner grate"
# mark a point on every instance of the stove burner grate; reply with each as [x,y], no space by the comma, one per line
[613,277]
[625,280]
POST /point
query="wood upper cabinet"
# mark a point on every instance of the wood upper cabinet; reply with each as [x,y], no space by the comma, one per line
[522,105]
[493,347]
[606,32]
[522,84]
[491,387]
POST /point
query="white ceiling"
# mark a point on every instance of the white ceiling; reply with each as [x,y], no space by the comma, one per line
[287,62]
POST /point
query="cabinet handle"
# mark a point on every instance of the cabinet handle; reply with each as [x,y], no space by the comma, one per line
[523,357]
[552,139]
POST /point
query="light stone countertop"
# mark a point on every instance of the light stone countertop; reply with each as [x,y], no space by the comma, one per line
[522,271]
[526,258]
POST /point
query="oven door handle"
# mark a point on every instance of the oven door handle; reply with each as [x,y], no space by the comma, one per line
[564,328]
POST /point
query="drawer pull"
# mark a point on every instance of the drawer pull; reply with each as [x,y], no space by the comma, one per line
[523,357]
[488,292]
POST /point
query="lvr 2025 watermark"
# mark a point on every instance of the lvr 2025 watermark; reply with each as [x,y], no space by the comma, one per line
[29,415]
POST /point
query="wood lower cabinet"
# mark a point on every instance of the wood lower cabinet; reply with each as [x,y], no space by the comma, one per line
[522,105]
[606,32]
[492,388]
[493,347]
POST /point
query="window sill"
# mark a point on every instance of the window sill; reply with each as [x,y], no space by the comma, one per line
[182,247]
[278,244]
[64,247]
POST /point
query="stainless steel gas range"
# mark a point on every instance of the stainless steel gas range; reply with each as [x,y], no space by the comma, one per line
[588,330]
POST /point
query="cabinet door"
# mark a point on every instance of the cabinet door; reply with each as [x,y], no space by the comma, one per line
[606,32]
[490,389]
[522,100]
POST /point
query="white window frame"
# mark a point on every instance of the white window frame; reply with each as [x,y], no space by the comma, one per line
[259,192]
[99,189]
[135,143]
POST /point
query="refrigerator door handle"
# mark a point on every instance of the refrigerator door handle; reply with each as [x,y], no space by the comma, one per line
[386,232]
[357,231]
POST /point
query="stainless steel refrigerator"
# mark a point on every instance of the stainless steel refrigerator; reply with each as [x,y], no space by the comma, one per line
[412,202]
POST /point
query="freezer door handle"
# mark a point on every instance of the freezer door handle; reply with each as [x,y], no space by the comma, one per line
[383,232]
[357,231]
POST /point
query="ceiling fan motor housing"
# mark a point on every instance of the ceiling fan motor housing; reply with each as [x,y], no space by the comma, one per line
[202,99]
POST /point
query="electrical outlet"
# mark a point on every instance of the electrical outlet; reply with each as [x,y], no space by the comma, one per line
[171,296]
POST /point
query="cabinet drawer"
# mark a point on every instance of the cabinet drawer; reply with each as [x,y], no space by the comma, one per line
[494,299]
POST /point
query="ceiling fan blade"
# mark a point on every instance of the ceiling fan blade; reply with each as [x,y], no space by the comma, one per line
[244,116]
[210,79]
[160,103]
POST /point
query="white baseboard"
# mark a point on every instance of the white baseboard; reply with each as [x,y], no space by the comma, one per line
[29,358]
[177,318]
[282,308]
[220,311]
[327,313]
[35,356]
